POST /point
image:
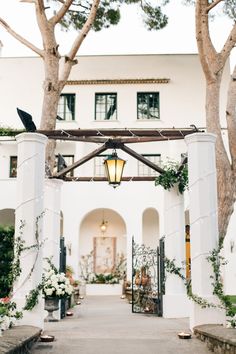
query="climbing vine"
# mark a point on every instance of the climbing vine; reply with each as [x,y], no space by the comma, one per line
[216,261]
[173,175]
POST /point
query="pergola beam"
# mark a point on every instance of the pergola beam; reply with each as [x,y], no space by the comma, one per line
[104,179]
[141,158]
[163,134]
[80,162]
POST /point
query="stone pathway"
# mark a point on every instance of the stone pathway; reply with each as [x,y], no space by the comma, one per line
[106,325]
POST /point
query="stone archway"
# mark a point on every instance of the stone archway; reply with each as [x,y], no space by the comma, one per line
[101,251]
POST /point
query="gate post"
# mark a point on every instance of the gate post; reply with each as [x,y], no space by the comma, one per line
[204,223]
[30,181]
[52,202]
[175,301]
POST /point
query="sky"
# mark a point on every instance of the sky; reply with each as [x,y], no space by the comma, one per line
[129,37]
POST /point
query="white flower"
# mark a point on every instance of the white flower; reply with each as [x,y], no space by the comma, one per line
[5,323]
[48,292]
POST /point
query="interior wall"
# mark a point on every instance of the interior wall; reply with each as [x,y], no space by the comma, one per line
[7,217]
[90,228]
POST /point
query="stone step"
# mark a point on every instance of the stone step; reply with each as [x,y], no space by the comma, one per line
[218,338]
[18,339]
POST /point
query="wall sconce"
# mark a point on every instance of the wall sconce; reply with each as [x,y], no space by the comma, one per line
[232,244]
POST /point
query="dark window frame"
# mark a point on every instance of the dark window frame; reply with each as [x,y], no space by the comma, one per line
[104,156]
[107,108]
[149,115]
[142,165]
[13,167]
[63,114]
[71,173]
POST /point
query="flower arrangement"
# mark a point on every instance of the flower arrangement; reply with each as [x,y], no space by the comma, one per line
[8,314]
[56,284]
[53,285]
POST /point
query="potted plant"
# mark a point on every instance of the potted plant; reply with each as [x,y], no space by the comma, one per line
[56,286]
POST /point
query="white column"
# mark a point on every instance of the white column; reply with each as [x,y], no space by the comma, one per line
[175,301]
[52,207]
[203,223]
[30,184]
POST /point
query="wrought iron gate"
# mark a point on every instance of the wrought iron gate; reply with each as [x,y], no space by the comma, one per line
[147,278]
[63,269]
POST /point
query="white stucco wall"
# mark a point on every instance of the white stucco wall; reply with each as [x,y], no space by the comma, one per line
[182,102]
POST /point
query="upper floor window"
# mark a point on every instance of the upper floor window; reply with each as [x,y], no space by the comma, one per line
[99,168]
[13,167]
[144,170]
[148,105]
[105,106]
[66,107]
[67,161]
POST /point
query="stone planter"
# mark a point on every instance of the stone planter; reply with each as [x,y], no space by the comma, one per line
[51,304]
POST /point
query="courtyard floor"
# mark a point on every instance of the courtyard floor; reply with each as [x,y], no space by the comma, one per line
[106,325]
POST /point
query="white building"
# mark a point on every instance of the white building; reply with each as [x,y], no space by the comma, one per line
[126,92]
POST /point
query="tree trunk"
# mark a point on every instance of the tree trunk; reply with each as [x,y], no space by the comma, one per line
[225,178]
[51,96]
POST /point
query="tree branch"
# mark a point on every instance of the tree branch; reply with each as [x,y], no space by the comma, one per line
[212,5]
[59,15]
[229,44]
[20,38]
[205,46]
[69,59]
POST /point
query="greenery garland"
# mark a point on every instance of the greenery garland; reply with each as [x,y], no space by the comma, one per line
[216,261]
[172,176]
[19,247]
[7,131]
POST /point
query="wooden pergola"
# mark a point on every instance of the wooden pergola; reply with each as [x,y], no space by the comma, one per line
[116,139]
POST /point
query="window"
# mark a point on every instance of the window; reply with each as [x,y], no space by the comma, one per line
[13,167]
[66,107]
[68,161]
[148,105]
[144,170]
[105,106]
[99,169]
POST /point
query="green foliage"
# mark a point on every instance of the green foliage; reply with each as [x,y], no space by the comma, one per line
[108,14]
[173,176]
[8,311]
[105,279]
[154,19]
[6,131]
[32,298]
[217,261]
[6,259]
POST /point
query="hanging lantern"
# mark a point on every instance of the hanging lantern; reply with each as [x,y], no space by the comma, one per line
[114,168]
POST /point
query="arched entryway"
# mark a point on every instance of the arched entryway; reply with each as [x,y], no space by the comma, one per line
[150,228]
[102,251]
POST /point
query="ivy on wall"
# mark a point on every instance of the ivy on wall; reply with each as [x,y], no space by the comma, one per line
[216,261]
[6,259]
